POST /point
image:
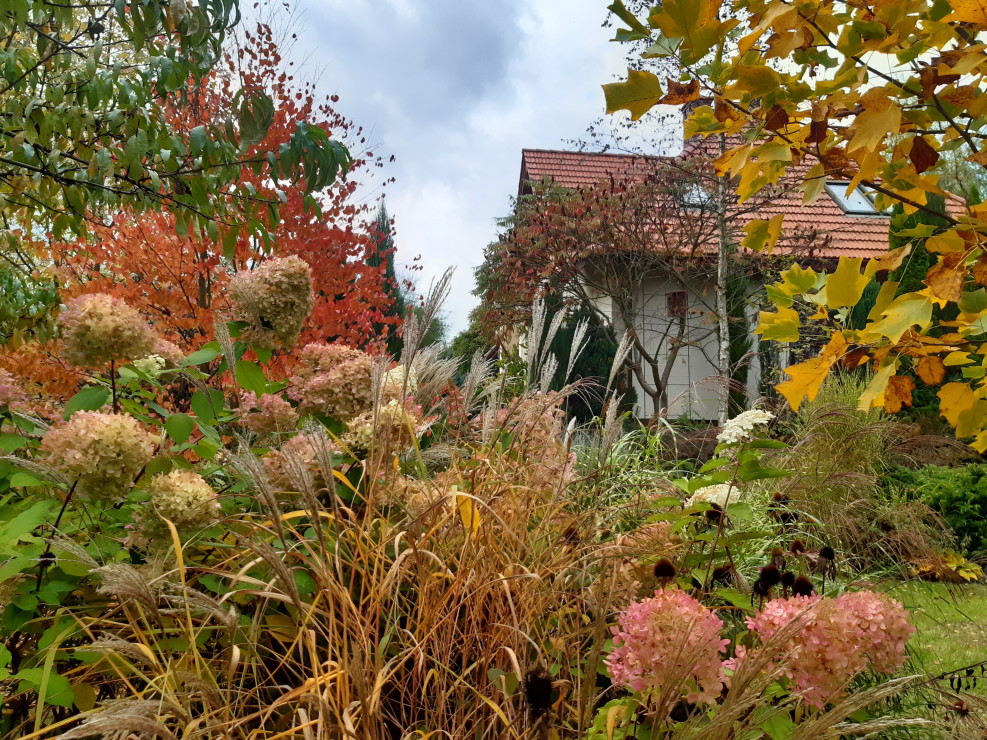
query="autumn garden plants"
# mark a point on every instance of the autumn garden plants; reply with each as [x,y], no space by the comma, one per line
[227,512]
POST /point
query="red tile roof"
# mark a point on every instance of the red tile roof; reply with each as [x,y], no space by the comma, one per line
[843,235]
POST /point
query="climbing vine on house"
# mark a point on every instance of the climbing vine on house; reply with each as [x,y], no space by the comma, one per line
[871,92]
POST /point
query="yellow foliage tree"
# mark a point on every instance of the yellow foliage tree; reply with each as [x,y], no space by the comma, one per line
[873,92]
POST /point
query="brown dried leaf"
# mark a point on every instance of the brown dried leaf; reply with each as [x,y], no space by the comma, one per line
[898,393]
[945,281]
[931,370]
[777,118]
[922,154]
[678,93]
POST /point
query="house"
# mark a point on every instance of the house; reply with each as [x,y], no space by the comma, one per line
[834,225]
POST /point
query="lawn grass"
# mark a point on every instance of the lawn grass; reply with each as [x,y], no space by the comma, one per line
[951,627]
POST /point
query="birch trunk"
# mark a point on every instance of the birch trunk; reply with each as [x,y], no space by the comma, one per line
[723,318]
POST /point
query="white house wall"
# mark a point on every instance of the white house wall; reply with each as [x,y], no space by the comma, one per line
[690,392]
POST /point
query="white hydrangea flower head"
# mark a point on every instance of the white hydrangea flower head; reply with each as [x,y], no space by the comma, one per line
[740,427]
[716,494]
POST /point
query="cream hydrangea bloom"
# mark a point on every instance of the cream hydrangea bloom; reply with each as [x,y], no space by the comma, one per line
[395,427]
[99,328]
[185,498]
[717,494]
[740,427]
[100,453]
[274,300]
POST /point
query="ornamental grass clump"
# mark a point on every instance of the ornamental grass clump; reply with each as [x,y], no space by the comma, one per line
[333,380]
[668,641]
[274,300]
[185,499]
[99,453]
[98,329]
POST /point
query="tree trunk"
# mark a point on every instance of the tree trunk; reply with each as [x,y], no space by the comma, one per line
[723,319]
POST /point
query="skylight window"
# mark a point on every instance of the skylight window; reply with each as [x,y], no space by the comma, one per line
[858,203]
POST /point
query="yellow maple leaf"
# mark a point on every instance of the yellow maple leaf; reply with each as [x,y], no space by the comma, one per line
[639,94]
[873,394]
[871,126]
[762,235]
[845,286]
[968,11]
[959,404]
[807,377]
[781,327]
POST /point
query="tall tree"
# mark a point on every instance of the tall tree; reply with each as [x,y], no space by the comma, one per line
[870,92]
[85,88]
[178,279]
[382,233]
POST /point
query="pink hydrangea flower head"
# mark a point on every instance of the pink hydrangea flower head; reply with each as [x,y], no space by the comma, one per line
[269,414]
[334,380]
[100,328]
[274,299]
[666,635]
[11,394]
[838,639]
[101,453]
[185,498]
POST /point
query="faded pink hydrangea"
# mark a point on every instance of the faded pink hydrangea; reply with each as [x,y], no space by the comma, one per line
[185,498]
[11,394]
[101,453]
[99,328]
[839,638]
[274,299]
[269,414]
[334,380]
[666,635]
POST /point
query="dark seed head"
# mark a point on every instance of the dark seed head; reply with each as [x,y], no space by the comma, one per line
[787,579]
[722,574]
[538,691]
[827,553]
[797,547]
[570,536]
[760,588]
[802,586]
[779,498]
[664,570]
[770,576]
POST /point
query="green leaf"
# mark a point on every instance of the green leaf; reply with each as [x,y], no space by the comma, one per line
[639,94]
[179,427]
[780,327]
[10,442]
[202,356]
[25,480]
[91,398]
[250,376]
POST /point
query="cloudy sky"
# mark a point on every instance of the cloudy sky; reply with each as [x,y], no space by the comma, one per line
[454,89]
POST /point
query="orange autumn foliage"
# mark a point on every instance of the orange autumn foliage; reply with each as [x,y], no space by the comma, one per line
[178,282]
